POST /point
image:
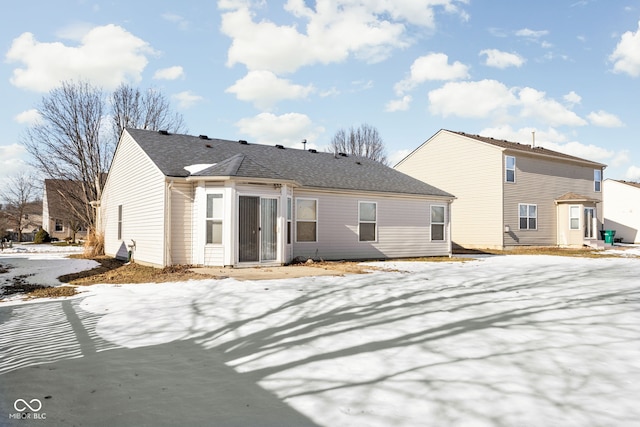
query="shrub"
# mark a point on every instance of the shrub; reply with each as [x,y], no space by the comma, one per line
[41,237]
[94,245]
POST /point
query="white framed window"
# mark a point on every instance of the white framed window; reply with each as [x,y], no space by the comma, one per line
[367,221]
[528,215]
[306,220]
[289,216]
[437,222]
[60,226]
[509,169]
[119,222]
[597,180]
[214,219]
[574,217]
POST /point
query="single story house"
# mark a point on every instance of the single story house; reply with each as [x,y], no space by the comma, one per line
[622,209]
[179,199]
[510,194]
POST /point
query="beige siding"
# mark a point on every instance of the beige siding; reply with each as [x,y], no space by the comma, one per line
[622,210]
[403,228]
[540,182]
[472,172]
[138,185]
[181,239]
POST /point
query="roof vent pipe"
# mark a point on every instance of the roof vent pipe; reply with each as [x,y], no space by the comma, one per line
[304,144]
[533,139]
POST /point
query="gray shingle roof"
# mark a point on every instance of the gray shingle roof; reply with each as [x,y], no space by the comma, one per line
[173,152]
[525,148]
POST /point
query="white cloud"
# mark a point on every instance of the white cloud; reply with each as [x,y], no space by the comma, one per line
[333,31]
[633,174]
[287,129]
[572,98]
[186,99]
[621,158]
[171,73]
[264,89]
[11,160]
[626,56]
[396,156]
[28,117]
[106,56]
[531,34]
[399,104]
[434,66]
[499,59]
[604,119]
[535,104]
[471,99]
[182,23]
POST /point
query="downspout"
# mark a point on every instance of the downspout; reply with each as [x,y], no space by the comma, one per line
[167,231]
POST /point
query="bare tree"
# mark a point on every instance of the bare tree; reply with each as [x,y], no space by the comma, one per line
[18,194]
[66,143]
[364,141]
[131,108]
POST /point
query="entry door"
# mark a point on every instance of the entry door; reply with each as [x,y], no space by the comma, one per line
[249,229]
[590,223]
[257,232]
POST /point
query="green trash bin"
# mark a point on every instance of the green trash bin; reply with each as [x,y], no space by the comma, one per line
[608,236]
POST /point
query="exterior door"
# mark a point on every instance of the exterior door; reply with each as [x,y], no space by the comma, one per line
[590,227]
[249,229]
[258,226]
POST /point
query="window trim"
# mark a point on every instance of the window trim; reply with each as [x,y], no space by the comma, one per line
[506,169]
[374,222]
[528,205]
[597,181]
[571,218]
[317,203]
[443,223]
[55,225]
[213,219]
[289,219]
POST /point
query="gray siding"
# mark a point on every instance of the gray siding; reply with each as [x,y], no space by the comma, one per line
[403,227]
[541,182]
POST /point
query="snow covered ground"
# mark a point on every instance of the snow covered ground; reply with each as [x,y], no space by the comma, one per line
[497,341]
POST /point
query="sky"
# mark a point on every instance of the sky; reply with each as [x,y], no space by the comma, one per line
[282,72]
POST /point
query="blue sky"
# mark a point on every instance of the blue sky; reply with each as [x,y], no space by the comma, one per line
[280,72]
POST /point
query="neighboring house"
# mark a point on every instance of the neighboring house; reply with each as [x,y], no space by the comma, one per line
[31,221]
[622,209]
[179,199]
[62,201]
[510,194]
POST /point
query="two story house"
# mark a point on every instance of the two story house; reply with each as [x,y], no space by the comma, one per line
[510,194]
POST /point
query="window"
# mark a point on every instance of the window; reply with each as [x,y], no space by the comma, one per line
[437,222]
[510,168]
[59,226]
[597,180]
[574,217]
[306,220]
[214,219]
[119,222]
[367,221]
[528,217]
[289,211]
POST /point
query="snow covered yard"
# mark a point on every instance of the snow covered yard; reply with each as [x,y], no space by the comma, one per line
[497,341]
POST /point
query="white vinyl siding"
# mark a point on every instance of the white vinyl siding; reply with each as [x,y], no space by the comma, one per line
[403,228]
[622,210]
[473,173]
[180,229]
[138,185]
